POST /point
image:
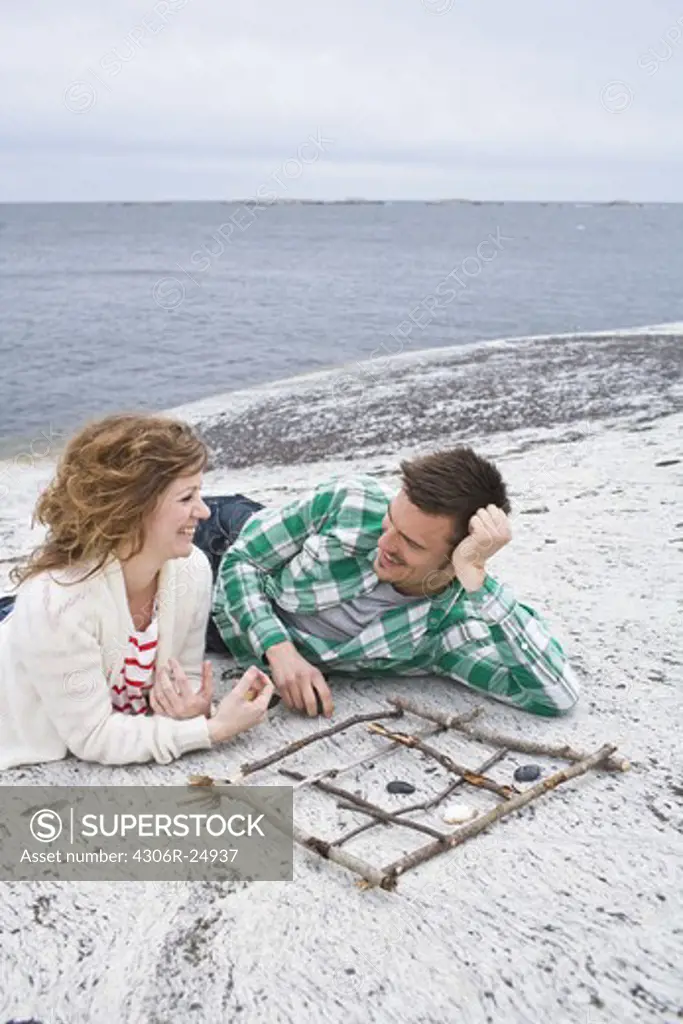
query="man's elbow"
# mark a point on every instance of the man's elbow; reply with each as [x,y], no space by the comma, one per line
[565,701]
[560,710]
[548,696]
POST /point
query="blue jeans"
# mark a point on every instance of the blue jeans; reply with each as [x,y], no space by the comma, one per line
[229,513]
[6,605]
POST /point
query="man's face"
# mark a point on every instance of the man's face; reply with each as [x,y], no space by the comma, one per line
[413,548]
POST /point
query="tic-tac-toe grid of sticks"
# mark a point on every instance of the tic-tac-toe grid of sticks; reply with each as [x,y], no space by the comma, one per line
[509,797]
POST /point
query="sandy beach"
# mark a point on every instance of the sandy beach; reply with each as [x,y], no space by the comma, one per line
[570,910]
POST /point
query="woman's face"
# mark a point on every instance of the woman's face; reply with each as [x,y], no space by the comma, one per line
[171,526]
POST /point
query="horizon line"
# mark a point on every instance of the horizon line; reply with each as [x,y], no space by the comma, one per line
[348,201]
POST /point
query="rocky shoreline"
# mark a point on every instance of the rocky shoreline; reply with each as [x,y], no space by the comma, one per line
[422,398]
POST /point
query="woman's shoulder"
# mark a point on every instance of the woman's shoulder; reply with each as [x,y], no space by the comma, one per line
[75,578]
[55,598]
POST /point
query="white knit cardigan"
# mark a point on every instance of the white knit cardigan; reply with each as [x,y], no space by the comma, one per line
[62,646]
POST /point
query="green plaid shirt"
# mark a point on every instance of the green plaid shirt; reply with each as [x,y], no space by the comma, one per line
[318,552]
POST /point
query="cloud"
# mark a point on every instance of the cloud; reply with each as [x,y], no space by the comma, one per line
[195,98]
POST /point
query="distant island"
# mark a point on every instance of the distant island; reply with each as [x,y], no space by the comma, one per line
[288,201]
[359,201]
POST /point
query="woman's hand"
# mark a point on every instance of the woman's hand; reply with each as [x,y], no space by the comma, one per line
[245,706]
[173,696]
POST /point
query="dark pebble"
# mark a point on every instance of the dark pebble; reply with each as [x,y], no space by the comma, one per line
[276,698]
[527,773]
[400,787]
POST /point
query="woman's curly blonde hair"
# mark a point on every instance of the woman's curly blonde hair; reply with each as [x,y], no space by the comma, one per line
[109,478]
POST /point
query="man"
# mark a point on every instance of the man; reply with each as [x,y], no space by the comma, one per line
[353,578]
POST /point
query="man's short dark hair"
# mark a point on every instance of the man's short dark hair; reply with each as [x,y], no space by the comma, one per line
[454,483]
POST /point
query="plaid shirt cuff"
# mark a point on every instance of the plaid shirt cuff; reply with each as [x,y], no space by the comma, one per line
[265,636]
[493,602]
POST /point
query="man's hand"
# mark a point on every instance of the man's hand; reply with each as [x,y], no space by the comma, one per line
[298,682]
[489,532]
[173,696]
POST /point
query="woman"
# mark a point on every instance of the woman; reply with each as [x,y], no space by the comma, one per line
[101,654]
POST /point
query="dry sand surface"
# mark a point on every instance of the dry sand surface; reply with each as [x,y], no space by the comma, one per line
[570,910]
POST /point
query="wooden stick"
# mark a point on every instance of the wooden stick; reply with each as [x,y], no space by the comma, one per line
[334,773]
[211,780]
[385,818]
[443,759]
[358,803]
[325,849]
[310,842]
[448,721]
[389,818]
[565,753]
[425,805]
[488,763]
[392,871]
[254,766]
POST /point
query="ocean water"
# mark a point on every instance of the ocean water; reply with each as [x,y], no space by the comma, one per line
[148,306]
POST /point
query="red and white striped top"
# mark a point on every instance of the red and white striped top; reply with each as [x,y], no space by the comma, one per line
[130,695]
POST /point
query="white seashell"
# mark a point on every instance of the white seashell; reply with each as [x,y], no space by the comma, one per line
[456,814]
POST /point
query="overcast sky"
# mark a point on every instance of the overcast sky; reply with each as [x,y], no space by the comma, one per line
[213,99]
